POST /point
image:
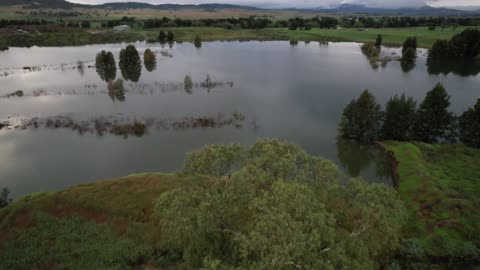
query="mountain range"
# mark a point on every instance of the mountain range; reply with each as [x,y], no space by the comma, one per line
[341,9]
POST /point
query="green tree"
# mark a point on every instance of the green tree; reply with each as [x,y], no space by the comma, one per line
[149,60]
[162,37]
[379,40]
[215,160]
[410,42]
[470,126]
[277,220]
[433,121]
[361,119]
[408,59]
[130,64]
[399,119]
[170,37]
[188,84]
[197,42]
[4,199]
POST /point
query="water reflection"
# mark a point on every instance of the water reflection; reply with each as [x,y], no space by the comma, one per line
[356,157]
[457,67]
[123,125]
[116,91]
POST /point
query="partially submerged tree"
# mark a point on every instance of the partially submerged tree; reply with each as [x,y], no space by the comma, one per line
[433,120]
[470,126]
[149,60]
[188,84]
[361,119]
[130,64]
[197,42]
[399,119]
[379,41]
[162,37]
[105,66]
[4,199]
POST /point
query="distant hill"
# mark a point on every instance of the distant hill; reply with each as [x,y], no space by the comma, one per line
[421,11]
[341,9]
[39,3]
[134,5]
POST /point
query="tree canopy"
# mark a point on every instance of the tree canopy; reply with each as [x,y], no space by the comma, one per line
[470,126]
[130,64]
[361,119]
[280,209]
[433,120]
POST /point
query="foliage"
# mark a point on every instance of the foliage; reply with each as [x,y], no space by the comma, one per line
[407,61]
[162,37]
[217,160]
[4,199]
[464,46]
[149,60]
[197,41]
[439,186]
[130,64]
[116,90]
[170,37]
[378,41]
[410,42]
[399,118]
[470,126]
[106,66]
[372,52]
[282,209]
[361,119]
[433,120]
[188,84]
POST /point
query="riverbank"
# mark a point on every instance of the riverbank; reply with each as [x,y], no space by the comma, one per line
[107,224]
[58,36]
[114,221]
[439,186]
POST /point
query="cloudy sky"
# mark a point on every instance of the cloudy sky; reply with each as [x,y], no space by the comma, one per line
[306,3]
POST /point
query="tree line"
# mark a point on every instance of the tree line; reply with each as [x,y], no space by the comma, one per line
[364,120]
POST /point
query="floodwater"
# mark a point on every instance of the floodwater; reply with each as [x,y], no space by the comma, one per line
[256,90]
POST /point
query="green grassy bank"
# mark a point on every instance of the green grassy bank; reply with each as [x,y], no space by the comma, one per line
[439,185]
[106,225]
[56,36]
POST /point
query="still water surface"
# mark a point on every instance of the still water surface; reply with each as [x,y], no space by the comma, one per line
[295,94]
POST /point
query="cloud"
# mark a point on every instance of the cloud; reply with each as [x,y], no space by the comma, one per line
[304,3]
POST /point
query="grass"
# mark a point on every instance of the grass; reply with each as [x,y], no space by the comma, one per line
[105,225]
[439,185]
[56,36]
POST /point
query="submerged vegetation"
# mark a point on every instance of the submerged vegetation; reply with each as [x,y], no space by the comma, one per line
[122,125]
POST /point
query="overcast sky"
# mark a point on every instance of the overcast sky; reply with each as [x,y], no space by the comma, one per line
[305,3]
